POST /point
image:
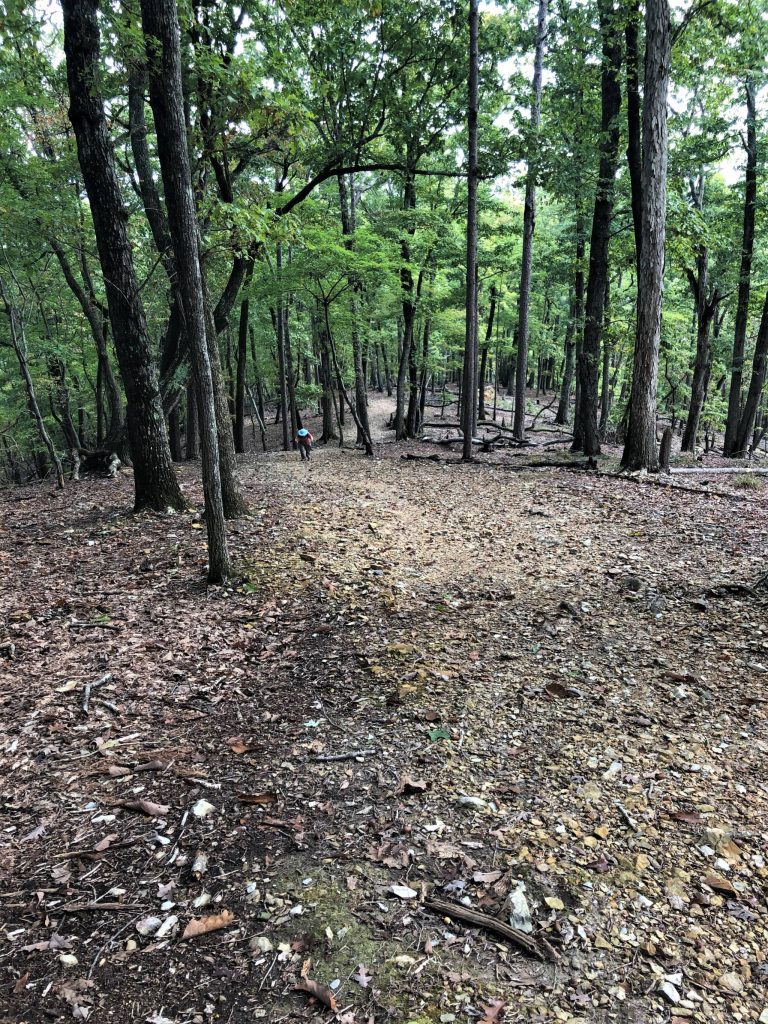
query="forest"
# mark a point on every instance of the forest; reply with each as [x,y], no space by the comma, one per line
[383,444]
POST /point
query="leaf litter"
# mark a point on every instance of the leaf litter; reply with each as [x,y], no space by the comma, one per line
[609,761]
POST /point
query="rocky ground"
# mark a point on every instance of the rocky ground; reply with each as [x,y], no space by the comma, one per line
[538,693]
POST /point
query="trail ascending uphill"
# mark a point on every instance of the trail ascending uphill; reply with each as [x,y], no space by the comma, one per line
[429,679]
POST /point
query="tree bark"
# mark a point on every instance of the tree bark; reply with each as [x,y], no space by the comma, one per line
[756,383]
[347,207]
[407,291]
[156,486]
[240,382]
[162,38]
[702,364]
[20,349]
[742,304]
[484,355]
[634,122]
[586,433]
[640,446]
[469,381]
[191,443]
[115,427]
[529,224]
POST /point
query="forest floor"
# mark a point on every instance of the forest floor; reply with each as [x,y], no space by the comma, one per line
[555,686]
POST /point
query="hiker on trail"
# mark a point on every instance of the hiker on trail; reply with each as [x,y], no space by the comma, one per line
[305,439]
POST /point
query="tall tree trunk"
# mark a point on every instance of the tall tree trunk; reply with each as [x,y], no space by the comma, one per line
[586,433]
[174,433]
[484,355]
[240,383]
[563,414]
[756,383]
[191,434]
[347,207]
[575,324]
[278,320]
[156,486]
[702,364]
[162,37]
[634,122]
[115,428]
[407,291]
[387,374]
[742,304]
[469,381]
[640,446]
[605,391]
[19,345]
[529,223]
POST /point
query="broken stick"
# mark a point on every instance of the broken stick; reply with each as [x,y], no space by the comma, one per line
[345,757]
[92,686]
[542,951]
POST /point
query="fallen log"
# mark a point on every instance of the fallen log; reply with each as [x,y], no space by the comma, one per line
[539,949]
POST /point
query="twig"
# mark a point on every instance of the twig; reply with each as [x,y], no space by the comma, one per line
[627,816]
[95,625]
[92,686]
[77,908]
[493,924]
[109,942]
[345,757]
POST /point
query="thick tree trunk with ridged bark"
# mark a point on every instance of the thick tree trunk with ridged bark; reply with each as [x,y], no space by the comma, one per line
[154,477]
[640,446]
[162,37]
[586,432]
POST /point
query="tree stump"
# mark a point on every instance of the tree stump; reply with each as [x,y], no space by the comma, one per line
[665,450]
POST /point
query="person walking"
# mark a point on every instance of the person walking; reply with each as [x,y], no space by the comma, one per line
[305,439]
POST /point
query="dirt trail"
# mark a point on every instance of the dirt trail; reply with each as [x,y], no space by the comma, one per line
[548,693]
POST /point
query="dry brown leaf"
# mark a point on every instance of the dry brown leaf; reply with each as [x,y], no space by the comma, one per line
[487,877]
[313,988]
[21,983]
[407,786]
[144,807]
[262,799]
[203,925]
[493,1012]
[106,842]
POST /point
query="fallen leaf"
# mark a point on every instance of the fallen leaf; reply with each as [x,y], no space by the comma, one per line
[362,977]
[147,807]
[487,877]
[493,1012]
[21,983]
[261,799]
[407,786]
[105,843]
[313,988]
[202,925]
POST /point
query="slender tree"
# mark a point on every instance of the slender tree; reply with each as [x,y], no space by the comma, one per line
[155,480]
[640,445]
[586,435]
[529,224]
[745,273]
[469,380]
[162,36]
